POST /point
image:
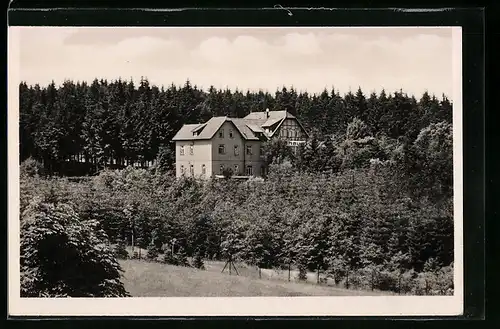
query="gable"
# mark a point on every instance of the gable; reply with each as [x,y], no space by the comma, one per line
[292,124]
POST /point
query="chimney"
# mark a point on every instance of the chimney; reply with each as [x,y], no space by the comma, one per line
[267,113]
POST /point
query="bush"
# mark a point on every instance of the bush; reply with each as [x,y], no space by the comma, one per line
[121,250]
[31,168]
[302,276]
[198,261]
[153,251]
[181,257]
[63,256]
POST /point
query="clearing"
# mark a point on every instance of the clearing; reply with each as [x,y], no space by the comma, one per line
[151,279]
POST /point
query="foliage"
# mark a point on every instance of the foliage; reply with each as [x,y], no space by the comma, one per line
[198,261]
[61,255]
[81,128]
[366,200]
[31,168]
[121,250]
[153,248]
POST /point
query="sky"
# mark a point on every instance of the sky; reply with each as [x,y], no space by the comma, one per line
[309,59]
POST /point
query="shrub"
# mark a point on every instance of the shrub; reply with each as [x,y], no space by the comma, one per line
[31,168]
[153,251]
[64,256]
[302,276]
[181,257]
[198,260]
[121,250]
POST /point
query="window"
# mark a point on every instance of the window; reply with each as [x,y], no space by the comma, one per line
[182,170]
[221,133]
[222,149]
[261,150]
[203,170]
[249,171]
[191,149]
[236,150]
[231,133]
[191,170]
[249,149]
[221,169]
[236,169]
[182,150]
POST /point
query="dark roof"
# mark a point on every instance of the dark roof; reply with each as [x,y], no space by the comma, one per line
[261,119]
[249,127]
[243,128]
[208,129]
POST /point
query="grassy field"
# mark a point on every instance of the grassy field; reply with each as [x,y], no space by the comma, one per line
[150,279]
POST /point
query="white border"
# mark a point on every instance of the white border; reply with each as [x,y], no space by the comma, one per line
[229,306]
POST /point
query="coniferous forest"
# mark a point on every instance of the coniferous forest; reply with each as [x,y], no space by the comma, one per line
[367,201]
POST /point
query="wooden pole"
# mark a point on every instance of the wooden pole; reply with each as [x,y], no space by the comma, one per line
[224,266]
[234,266]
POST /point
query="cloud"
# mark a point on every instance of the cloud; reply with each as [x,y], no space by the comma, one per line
[308,59]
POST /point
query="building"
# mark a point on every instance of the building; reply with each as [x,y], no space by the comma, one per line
[209,149]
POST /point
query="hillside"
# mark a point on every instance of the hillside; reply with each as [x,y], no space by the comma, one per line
[147,279]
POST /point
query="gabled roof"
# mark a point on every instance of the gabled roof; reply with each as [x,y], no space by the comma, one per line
[208,129]
[186,132]
[243,128]
[250,127]
[260,118]
[272,115]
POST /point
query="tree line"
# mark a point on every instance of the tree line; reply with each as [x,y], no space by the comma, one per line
[119,123]
[367,200]
[369,219]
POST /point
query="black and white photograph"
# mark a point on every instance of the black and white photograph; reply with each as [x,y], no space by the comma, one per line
[235,170]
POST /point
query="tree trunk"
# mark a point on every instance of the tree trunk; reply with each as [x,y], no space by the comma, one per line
[260,274]
[289,270]
[133,242]
[399,285]
[317,278]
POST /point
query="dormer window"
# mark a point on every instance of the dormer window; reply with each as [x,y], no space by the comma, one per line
[221,133]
